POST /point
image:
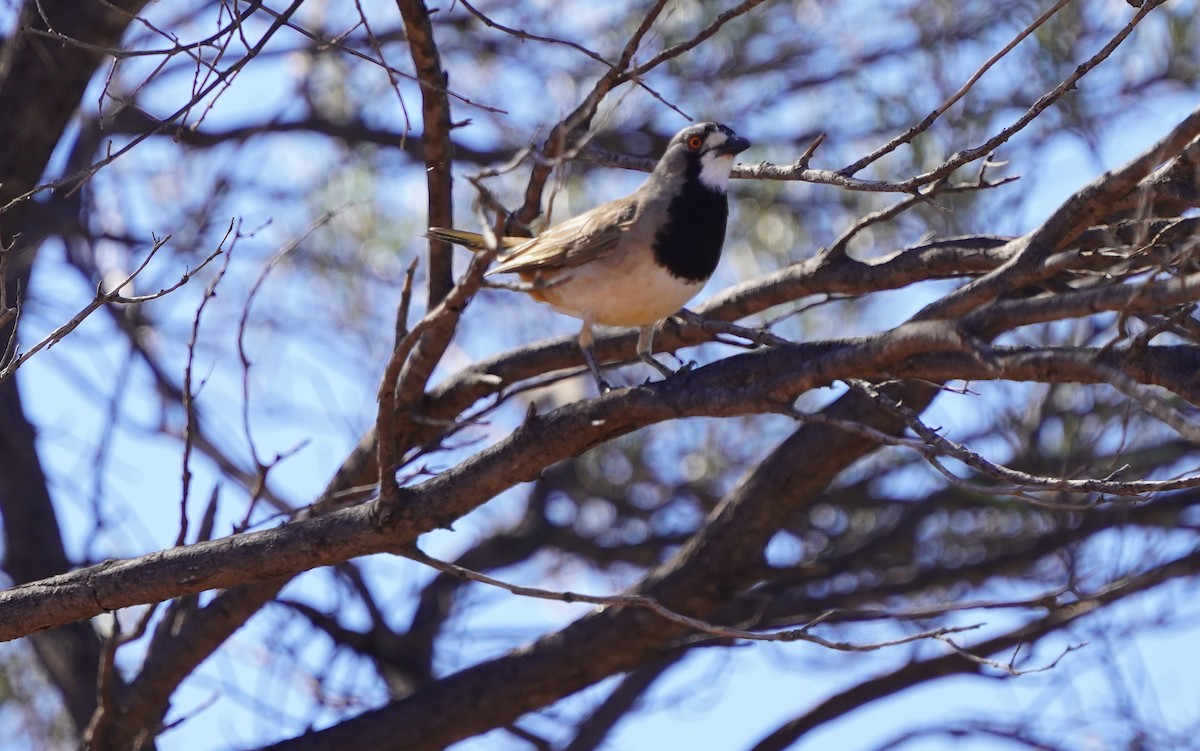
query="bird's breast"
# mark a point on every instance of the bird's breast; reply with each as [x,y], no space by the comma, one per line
[689,243]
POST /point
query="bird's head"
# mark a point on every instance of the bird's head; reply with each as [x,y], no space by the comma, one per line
[702,152]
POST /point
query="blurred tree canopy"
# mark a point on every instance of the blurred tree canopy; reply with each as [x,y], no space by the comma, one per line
[942,419]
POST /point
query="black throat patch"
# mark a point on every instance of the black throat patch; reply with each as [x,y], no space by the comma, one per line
[689,244]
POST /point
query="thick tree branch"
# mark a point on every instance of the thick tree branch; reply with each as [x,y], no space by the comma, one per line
[1077,213]
[753,382]
[694,582]
[439,152]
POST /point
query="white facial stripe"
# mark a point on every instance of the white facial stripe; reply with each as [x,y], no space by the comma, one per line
[715,139]
[714,170]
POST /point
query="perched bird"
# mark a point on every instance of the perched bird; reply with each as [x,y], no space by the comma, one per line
[636,260]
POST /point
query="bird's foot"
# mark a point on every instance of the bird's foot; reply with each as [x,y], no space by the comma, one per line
[653,362]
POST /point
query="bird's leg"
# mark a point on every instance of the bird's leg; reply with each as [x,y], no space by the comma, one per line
[645,348]
[589,356]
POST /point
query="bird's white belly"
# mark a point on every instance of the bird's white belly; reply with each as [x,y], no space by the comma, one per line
[634,293]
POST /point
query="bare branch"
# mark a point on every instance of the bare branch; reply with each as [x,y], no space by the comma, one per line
[439,152]
[908,135]
[218,82]
[933,444]
[103,298]
[190,417]
[709,31]
[918,672]
[803,633]
[409,368]
[565,136]
[1009,668]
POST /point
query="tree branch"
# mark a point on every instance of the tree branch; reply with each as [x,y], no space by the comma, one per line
[439,152]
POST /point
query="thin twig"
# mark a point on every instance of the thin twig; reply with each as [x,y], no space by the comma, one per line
[191,429]
[676,50]
[1046,100]
[77,179]
[1154,405]
[563,136]
[838,246]
[932,444]
[802,633]
[844,178]
[261,466]
[393,384]
[925,124]
[1009,667]
[103,298]
[758,337]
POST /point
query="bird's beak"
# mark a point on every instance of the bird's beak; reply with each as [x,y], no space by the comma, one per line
[735,145]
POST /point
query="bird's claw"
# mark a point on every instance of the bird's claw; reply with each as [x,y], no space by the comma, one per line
[650,360]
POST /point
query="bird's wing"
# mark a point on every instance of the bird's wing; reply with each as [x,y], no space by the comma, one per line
[591,235]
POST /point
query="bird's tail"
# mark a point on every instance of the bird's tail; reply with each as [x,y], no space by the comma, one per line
[473,241]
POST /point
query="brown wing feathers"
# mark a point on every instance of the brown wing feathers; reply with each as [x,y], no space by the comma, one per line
[585,238]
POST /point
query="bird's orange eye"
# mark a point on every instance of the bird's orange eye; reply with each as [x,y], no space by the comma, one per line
[695,142]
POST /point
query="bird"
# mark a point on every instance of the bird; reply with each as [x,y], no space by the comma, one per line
[633,261]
